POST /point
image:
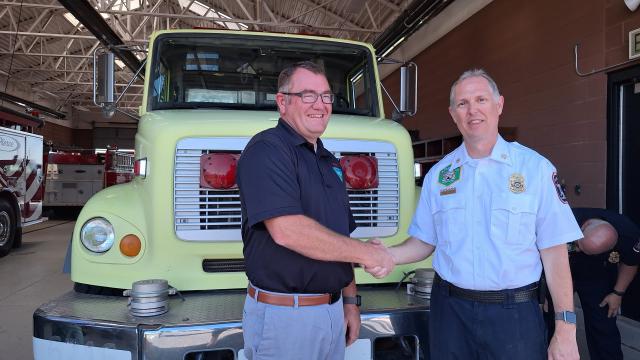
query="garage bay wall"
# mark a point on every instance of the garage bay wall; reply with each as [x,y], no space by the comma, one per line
[527,47]
[65,136]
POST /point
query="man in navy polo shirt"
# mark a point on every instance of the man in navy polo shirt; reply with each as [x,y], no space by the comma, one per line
[296,223]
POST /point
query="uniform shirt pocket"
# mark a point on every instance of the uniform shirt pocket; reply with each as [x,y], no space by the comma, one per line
[448,216]
[513,219]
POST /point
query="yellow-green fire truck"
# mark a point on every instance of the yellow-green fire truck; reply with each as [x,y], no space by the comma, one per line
[208,92]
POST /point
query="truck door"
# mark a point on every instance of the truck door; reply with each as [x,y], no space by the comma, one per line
[33,179]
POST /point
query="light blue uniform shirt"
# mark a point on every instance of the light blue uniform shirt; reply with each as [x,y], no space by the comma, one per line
[488,218]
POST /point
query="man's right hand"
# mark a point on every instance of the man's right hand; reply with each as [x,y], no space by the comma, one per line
[563,344]
[381,261]
[613,301]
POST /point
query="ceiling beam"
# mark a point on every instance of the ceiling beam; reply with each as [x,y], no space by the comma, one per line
[62,36]
[4,52]
[36,81]
[352,27]
[91,19]
[22,102]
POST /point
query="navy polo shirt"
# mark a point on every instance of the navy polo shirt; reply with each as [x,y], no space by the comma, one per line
[279,173]
[628,234]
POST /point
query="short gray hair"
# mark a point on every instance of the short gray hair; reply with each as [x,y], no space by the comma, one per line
[474,73]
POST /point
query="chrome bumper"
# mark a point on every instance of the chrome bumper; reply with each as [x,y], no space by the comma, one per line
[78,325]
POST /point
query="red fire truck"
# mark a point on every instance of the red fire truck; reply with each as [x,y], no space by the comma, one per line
[74,175]
[20,185]
[118,166]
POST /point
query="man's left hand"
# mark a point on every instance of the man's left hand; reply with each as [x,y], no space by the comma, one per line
[563,344]
[351,322]
[614,302]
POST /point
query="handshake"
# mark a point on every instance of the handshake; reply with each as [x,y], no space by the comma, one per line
[381,260]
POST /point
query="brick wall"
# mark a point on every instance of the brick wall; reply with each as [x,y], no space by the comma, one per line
[527,47]
[64,136]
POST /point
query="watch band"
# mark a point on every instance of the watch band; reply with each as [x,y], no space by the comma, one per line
[567,316]
[619,293]
[354,300]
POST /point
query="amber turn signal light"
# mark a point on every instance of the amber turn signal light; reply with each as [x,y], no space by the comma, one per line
[130,245]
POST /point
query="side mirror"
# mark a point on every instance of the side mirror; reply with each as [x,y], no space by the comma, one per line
[409,89]
[104,82]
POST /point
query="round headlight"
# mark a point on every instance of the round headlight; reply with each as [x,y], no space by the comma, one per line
[97,235]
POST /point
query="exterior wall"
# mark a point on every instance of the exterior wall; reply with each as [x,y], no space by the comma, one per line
[65,136]
[527,47]
[123,138]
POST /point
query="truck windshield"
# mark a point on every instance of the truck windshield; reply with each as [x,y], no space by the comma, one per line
[241,72]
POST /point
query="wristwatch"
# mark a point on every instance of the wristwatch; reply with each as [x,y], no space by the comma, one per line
[619,293]
[567,316]
[355,300]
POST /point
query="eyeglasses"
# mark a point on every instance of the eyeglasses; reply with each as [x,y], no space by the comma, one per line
[310,97]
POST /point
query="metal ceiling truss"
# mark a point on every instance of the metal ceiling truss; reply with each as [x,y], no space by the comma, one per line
[40,46]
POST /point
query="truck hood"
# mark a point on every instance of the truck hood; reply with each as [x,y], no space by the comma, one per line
[214,123]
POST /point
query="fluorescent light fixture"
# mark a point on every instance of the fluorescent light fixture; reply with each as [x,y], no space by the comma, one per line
[47,92]
[389,50]
[80,107]
[204,10]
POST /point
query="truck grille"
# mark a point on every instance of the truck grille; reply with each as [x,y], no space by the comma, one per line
[214,215]
[224,265]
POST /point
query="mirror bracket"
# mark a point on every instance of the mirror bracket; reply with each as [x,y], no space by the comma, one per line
[104,81]
[408,104]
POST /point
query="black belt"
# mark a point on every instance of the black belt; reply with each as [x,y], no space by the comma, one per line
[518,295]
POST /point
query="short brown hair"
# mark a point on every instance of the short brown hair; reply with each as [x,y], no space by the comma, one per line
[285,75]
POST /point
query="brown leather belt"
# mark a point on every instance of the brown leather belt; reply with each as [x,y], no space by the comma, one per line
[289,300]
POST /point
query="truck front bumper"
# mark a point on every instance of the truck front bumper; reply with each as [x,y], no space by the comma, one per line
[79,326]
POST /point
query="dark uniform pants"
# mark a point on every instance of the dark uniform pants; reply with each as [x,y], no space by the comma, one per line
[592,285]
[468,330]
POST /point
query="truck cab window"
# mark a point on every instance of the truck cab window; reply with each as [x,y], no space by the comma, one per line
[192,72]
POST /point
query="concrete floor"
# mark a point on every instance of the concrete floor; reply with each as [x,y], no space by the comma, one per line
[32,275]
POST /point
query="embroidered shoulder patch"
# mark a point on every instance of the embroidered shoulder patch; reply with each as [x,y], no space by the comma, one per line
[561,195]
[448,177]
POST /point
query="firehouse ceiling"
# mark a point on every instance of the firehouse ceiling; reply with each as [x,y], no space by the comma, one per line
[45,47]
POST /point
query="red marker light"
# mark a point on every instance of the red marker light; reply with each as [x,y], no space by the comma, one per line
[360,171]
[140,168]
[218,171]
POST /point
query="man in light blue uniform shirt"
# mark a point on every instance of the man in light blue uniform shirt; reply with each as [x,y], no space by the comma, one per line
[493,214]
